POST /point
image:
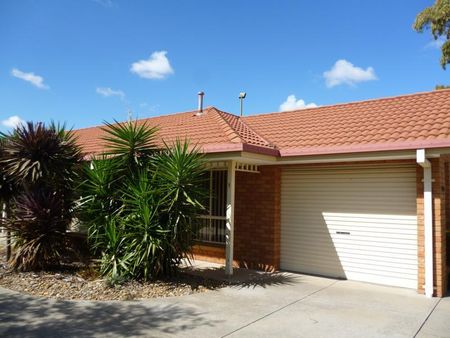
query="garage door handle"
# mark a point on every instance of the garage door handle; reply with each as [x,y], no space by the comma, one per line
[343,232]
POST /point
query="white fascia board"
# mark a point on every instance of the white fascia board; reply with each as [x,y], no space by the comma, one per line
[261,159]
[353,157]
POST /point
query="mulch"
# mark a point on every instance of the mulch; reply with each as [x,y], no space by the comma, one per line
[82,282]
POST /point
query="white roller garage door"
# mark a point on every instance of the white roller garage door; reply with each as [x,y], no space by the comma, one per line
[357,223]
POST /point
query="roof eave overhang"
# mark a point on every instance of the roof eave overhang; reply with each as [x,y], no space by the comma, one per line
[386,155]
[420,144]
[239,147]
[268,156]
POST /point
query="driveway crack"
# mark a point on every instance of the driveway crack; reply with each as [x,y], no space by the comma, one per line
[426,318]
[279,309]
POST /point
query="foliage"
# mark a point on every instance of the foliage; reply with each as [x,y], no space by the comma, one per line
[438,87]
[139,202]
[41,162]
[132,143]
[37,154]
[180,176]
[100,187]
[40,228]
[437,18]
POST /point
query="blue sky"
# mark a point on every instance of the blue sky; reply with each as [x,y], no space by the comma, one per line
[85,61]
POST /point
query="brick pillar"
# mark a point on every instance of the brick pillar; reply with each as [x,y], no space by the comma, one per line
[439,226]
[257,219]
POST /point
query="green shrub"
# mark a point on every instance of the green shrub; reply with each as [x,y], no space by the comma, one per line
[139,202]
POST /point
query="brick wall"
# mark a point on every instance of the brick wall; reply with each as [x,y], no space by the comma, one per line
[257,219]
[209,253]
[256,222]
[439,190]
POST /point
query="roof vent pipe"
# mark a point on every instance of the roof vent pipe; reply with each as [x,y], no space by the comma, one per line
[242,96]
[200,103]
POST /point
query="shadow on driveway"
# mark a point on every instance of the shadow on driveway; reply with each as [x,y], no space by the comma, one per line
[25,316]
[244,278]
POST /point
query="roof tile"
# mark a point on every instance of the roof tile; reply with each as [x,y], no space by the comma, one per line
[211,131]
[380,124]
[403,122]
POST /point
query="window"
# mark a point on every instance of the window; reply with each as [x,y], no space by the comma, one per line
[212,225]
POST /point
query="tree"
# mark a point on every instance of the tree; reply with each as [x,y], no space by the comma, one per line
[437,18]
[438,87]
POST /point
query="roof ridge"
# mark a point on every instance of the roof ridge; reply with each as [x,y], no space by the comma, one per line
[224,123]
[246,126]
[386,98]
[271,144]
[193,111]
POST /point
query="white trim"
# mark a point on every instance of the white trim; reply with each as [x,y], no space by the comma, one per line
[245,167]
[229,237]
[428,220]
[258,159]
[216,165]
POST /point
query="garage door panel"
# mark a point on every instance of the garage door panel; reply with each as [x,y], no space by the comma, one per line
[356,223]
[372,261]
[342,207]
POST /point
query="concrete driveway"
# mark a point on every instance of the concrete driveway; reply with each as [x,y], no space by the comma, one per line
[284,305]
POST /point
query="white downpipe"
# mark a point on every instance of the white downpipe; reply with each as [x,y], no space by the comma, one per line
[229,236]
[427,220]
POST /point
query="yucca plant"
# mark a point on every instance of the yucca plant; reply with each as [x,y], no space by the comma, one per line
[139,201]
[41,161]
[99,188]
[145,234]
[179,174]
[130,143]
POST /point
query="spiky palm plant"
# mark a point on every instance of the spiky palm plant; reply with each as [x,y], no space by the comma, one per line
[179,174]
[139,202]
[39,227]
[131,143]
[36,153]
[42,162]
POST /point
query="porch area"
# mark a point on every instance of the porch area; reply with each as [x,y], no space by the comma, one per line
[241,228]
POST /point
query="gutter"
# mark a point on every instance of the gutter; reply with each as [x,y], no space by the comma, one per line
[427,220]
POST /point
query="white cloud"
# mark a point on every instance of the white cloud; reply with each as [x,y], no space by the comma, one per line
[106,91]
[157,66]
[12,121]
[292,103]
[344,72]
[32,78]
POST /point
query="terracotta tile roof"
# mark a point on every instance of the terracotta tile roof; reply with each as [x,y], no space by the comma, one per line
[413,121]
[213,131]
[404,122]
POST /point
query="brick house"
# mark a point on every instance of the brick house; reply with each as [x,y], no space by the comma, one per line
[357,191]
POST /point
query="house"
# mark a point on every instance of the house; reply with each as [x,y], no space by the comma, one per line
[357,190]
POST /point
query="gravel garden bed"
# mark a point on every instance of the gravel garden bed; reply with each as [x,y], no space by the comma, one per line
[83,283]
